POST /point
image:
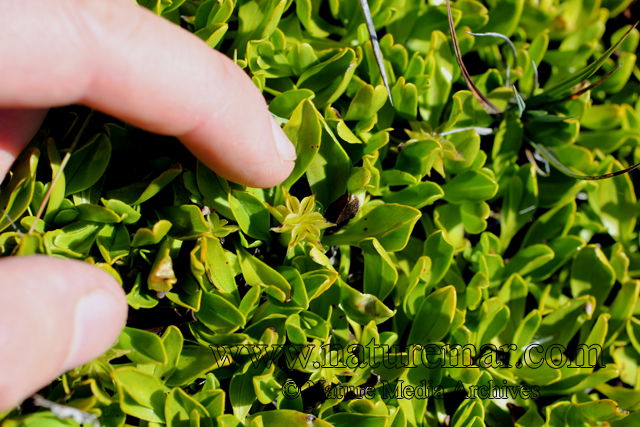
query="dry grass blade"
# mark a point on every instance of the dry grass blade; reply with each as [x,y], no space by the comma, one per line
[548,154]
[559,90]
[364,6]
[521,105]
[535,78]
[73,124]
[509,42]
[13,224]
[483,100]
[64,412]
[532,160]
[588,88]
[60,170]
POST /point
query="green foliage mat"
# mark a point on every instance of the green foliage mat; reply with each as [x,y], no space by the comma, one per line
[405,229]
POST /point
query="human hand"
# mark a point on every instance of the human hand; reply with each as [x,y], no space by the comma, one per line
[120,59]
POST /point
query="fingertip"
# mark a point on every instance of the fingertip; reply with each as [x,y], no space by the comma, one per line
[256,153]
[99,318]
[286,150]
[17,127]
[55,314]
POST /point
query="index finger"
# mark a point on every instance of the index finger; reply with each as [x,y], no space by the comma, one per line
[123,60]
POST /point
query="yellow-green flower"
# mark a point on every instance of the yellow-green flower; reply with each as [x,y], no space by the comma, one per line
[300,220]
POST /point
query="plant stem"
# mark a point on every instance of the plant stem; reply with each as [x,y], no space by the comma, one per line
[60,170]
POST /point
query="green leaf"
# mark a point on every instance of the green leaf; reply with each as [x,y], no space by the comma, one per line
[113,242]
[478,283]
[57,194]
[417,196]
[390,223]
[564,248]
[307,12]
[329,171]
[495,318]
[212,400]
[213,34]
[194,362]
[215,190]
[466,147]
[362,308]
[591,274]
[329,79]
[305,132]
[187,221]
[405,99]
[140,296]
[346,419]
[614,201]
[74,240]
[562,324]
[439,67]
[601,410]
[602,117]
[217,267]
[507,143]
[257,273]
[375,46]
[16,196]
[514,294]
[147,347]
[294,304]
[525,333]
[301,57]
[256,21]
[474,216]
[434,317]
[179,407]
[622,308]
[251,214]
[219,315]
[151,236]
[471,186]
[96,213]
[142,191]
[440,252]
[213,12]
[172,341]
[162,276]
[519,203]
[141,395]
[128,215]
[366,103]
[241,391]
[380,275]
[552,223]
[284,104]
[288,417]
[528,259]
[87,164]
[466,412]
[417,157]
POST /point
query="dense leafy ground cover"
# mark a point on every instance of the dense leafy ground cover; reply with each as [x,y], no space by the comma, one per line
[438,219]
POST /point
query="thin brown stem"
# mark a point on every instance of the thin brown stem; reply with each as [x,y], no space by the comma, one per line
[60,170]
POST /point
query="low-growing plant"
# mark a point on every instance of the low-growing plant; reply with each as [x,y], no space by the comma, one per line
[403,274]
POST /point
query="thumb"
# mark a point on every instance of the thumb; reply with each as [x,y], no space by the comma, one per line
[55,315]
[17,127]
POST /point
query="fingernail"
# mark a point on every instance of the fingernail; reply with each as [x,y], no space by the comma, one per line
[286,150]
[96,314]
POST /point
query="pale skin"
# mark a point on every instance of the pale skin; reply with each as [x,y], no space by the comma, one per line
[120,59]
